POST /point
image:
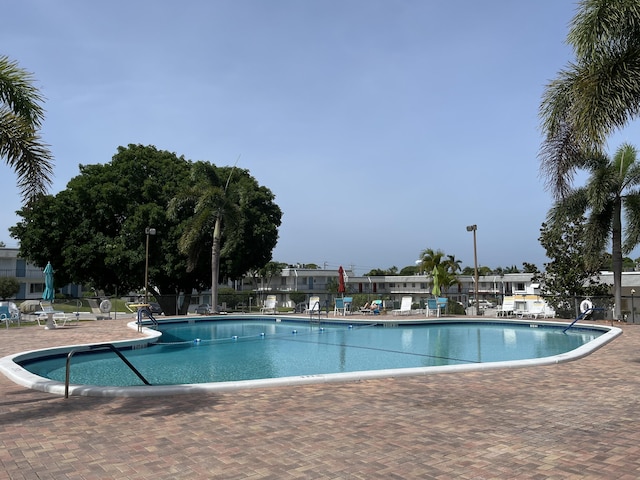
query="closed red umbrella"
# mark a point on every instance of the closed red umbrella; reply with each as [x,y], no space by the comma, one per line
[341,288]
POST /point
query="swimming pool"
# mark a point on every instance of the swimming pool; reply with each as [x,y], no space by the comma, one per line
[225,354]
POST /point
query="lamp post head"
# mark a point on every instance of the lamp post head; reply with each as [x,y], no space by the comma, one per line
[472,228]
[150,231]
[633,291]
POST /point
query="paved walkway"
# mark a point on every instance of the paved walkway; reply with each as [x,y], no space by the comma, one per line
[574,420]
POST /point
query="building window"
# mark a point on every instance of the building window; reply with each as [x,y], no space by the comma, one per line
[36,288]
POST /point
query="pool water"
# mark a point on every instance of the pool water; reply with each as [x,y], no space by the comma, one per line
[226,351]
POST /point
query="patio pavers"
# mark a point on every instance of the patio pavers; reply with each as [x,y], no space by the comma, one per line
[574,420]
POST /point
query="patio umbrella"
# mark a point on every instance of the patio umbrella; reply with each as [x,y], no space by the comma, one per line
[49,293]
[436,282]
[341,288]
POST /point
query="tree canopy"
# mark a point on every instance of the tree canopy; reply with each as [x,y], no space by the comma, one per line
[93,232]
[611,193]
[571,272]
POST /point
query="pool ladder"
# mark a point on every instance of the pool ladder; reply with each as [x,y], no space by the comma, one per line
[147,312]
[313,311]
[96,347]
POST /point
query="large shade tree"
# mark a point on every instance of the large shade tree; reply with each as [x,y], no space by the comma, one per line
[93,232]
[21,116]
[571,273]
[611,193]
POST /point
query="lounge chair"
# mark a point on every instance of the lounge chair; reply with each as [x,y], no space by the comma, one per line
[314,306]
[98,311]
[347,305]
[9,313]
[520,309]
[46,309]
[59,318]
[537,310]
[506,309]
[373,308]
[343,306]
[270,305]
[432,307]
[338,309]
[442,303]
[405,306]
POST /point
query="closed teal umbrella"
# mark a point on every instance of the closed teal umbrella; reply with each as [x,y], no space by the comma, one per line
[49,293]
[436,282]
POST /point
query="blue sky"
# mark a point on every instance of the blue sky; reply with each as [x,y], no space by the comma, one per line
[382,127]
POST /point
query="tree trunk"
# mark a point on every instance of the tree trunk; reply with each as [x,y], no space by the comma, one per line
[215,263]
[616,254]
[184,308]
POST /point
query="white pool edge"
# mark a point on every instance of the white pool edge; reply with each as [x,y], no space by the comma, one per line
[20,376]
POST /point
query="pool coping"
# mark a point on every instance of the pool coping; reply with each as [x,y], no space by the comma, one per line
[19,375]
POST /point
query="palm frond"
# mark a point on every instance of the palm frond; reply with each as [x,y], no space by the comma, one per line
[631,208]
[20,118]
[19,94]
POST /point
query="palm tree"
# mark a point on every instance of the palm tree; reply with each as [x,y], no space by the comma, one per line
[430,258]
[208,202]
[21,117]
[596,94]
[613,188]
[446,266]
[453,264]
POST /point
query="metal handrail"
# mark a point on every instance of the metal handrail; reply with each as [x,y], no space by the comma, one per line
[147,311]
[95,347]
[582,316]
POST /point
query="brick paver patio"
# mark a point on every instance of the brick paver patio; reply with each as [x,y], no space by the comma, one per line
[574,420]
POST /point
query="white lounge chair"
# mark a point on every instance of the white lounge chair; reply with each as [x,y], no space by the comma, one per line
[56,315]
[537,310]
[314,305]
[405,306]
[506,309]
[270,305]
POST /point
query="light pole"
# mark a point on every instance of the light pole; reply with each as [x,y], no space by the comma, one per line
[633,308]
[473,228]
[148,231]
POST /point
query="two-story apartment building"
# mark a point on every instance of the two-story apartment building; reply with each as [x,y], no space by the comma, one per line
[30,277]
[390,288]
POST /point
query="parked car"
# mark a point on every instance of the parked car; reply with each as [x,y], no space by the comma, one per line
[482,304]
[203,309]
